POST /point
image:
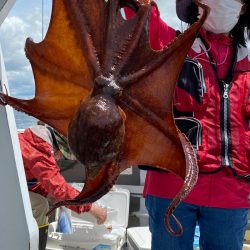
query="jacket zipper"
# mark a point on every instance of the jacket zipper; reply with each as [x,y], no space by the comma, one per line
[226,141]
[226,138]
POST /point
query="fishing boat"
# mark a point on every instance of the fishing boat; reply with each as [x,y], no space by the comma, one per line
[19,230]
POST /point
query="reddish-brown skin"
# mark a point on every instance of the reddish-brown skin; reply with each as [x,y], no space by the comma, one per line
[99,83]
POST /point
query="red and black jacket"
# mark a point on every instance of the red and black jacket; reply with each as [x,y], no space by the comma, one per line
[215,114]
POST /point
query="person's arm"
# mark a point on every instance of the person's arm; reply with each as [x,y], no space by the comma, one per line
[45,169]
[160,33]
[38,157]
[47,172]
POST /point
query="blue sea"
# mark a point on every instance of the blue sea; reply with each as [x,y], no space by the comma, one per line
[24,121]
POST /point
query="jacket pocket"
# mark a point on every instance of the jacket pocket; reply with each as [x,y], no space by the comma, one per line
[191,87]
[192,128]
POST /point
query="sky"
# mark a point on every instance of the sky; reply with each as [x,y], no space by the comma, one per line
[24,20]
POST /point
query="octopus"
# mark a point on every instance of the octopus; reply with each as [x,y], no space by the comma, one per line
[99,82]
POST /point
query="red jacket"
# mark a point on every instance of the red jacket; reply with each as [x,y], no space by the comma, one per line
[229,150]
[39,163]
[223,113]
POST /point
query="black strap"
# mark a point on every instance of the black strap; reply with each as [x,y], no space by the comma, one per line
[53,137]
[32,183]
[150,168]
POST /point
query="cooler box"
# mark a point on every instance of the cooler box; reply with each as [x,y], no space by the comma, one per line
[138,238]
[87,235]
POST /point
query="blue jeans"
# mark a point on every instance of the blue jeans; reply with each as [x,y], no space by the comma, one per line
[220,229]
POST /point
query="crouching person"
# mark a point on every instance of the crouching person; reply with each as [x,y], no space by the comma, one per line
[40,147]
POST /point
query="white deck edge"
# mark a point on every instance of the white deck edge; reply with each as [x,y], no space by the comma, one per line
[18,228]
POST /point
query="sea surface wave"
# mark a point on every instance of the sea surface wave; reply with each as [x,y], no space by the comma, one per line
[24,121]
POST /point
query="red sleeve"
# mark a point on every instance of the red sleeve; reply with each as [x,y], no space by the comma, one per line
[160,33]
[39,161]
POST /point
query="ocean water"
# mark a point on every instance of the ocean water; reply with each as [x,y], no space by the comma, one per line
[24,121]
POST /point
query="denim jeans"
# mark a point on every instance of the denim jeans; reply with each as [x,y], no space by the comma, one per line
[220,229]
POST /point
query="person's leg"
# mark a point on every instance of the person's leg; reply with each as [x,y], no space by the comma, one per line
[222,229]
[40,207]
[161,238]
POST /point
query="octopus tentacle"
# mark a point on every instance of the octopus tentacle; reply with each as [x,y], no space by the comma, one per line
[189,182]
